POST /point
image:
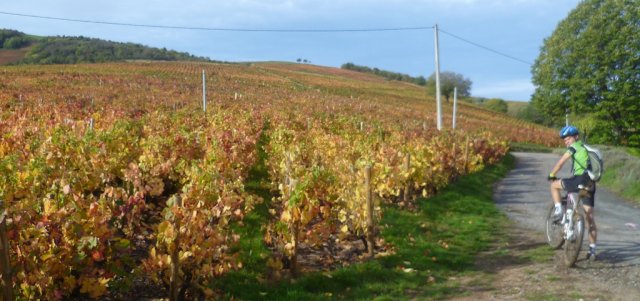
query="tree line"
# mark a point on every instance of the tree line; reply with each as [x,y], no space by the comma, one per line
[449,81]
[72,50]
[13,39]
[420,80]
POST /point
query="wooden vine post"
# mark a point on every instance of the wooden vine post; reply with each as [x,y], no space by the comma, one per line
[369,197]
[287,171]
[407,185]
[294,233]
[290,185]
[466,155]
[5,263]
[174,286]
[455,162]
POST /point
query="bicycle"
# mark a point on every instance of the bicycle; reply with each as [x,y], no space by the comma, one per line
[570,229]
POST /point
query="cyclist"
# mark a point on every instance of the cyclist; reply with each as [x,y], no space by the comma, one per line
[580,158]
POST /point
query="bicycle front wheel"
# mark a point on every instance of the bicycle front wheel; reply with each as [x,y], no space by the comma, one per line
[555,236]
[574,241]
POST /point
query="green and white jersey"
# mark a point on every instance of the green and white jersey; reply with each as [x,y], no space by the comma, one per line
[580,158]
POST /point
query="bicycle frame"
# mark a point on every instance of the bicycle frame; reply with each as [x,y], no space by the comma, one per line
[573,201]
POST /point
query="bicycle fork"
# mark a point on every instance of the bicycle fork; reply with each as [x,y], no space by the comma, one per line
[567,218]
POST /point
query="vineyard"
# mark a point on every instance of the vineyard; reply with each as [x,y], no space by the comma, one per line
[113,177]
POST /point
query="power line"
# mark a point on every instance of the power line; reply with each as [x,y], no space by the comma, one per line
[220,28]
[487,48]
[267,30]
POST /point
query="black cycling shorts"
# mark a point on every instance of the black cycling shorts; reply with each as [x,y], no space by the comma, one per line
[571,185]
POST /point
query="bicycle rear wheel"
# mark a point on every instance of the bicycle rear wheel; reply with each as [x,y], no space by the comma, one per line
[555,237]
[574,244]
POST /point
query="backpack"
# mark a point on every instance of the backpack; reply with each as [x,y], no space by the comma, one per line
[595,165]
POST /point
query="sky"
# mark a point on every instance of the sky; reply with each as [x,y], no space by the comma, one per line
[493,43]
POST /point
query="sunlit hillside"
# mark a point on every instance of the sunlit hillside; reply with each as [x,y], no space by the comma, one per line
[405,103]
[145,86]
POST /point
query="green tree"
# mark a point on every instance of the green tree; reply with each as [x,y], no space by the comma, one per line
[448,81]
[591,65]
[587,124]
[496,104]
[530,113]
[6,34]
[15,42]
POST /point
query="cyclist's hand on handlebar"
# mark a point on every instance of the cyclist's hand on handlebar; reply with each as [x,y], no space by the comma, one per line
[551,177]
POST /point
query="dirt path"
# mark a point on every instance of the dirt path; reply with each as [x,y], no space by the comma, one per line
[517,268]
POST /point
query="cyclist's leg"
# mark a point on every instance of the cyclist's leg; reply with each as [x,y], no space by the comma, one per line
[588,203]
[591,224]
[556,188]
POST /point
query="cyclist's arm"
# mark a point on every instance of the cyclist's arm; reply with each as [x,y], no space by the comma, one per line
[560,163]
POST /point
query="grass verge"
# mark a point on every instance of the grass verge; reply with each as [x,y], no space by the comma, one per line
[438,241]
[621,172]
[634,151]
[528,147]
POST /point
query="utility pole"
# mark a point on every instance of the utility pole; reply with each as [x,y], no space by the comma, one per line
[204,93]
[438,103]
[455,105]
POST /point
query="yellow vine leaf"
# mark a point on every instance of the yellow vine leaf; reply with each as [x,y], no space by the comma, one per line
[94,287]
[285,217]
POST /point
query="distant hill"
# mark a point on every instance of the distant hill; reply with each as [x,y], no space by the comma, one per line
[20,48]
